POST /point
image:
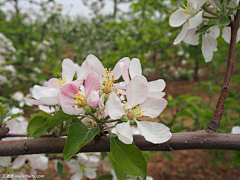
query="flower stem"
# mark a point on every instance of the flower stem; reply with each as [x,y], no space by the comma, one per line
[216,120]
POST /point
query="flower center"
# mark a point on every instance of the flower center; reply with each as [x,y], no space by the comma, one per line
[108,82]
[9,170]
[137,111]
[188,9]
[82,167]
[61,81]
[80,99]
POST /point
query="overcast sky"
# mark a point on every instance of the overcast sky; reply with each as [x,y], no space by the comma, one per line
[70,7]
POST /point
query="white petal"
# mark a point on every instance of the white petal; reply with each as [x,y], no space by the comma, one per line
[213,42]
[96,66]
[114,106]
[135,68]
[77,176]
[195,21]
[196,4]
[226,34]
[156,94]
[117,72]
[157,85]
[236,130]
[191,37]
[74,166]
[153,106]
[154,132]
[137,90]
[5,161]
[18,162]
[93,161]
[181,35]
[45,95]
[68,69]
[214,31]
[124,132]
[90,173]
[33,101]
[71,110]
[177,18]
[52,83]
[206,49]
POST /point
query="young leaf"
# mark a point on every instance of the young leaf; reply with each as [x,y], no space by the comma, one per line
[129,158]
[224,21]
[16,115]
[236,161]
[58,118]
[105,177]
[78,136]
[59,167]
[204,28]
[36,126]
[118,171]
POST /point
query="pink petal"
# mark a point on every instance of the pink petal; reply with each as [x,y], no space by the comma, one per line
[94,99]
[92,83]
[69,90]
[137,90]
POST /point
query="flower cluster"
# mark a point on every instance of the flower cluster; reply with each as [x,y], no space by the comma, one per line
[201,17]
[97,97]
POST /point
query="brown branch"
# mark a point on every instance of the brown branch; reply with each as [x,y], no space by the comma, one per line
[216,120]
[179,141]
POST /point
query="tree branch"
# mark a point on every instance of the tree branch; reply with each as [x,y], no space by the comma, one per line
[216,120]
[179,141]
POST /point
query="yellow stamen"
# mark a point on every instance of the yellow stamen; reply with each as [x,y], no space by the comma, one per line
[82,167]
[80,99]
[108,82]
[61,81]
[138,112]
[187,10]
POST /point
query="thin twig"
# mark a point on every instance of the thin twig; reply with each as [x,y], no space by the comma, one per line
[216,120]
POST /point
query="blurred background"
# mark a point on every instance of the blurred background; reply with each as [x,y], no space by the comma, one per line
[36,35]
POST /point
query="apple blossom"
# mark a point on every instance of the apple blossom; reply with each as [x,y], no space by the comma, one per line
[138,104]
[227,34]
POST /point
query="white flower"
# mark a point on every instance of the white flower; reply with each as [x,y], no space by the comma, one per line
[227,34]
[192,14]
[236,130]
[209,43]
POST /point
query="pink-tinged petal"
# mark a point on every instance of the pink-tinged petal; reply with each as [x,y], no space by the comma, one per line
[124,71]
[153,106]
[135,68]
[17,126]
[94,99]
[45,95]
[124,132]
[18,162]
[177,18]
[66,100]
[191,37]
[71,110]
[195,21]
[196,4]
[181,35]
[154,132]
[96,66]
[120,85]
[83,70]
[114,106]
[117,71]
[157,85]
[156,94]
[52,83]
[68,70]
[137,90]
[92,83]
[78,82]
[69,90]
[38,161]
[206,49]
[33,101]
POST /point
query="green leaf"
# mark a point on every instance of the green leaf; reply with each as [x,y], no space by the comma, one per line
[129,158]
[78,136]
[105,177]
[213,22]
[37,126]
[204,28]
[16,115]
[118,171]
[236,160]
[58,118]
[3,99]
[59,168]
[224,21]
